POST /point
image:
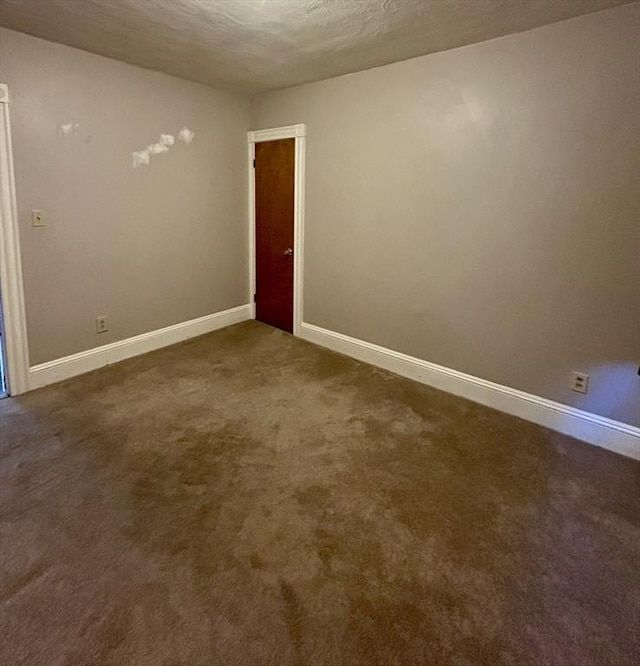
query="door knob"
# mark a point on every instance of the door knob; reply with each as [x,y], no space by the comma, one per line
[288,252]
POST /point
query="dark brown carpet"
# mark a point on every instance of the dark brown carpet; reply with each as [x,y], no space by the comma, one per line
[248,498]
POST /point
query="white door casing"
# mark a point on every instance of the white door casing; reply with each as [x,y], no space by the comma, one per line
[11,285]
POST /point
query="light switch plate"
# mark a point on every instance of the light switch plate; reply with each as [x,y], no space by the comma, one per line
[37,218]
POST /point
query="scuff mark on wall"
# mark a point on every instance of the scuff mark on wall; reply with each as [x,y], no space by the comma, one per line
[157,148]
[67,129]
[140,158]
[186,135]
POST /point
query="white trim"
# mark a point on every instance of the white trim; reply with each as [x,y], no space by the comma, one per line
[11,286]
[252,227]
[298,233]
[591,428]
[288,132]
[297,132]
[92,359]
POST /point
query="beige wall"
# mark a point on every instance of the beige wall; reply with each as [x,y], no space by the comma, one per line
[148,247]
[480,208]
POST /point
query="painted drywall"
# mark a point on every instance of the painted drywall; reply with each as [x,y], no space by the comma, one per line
[480,208]
[147,247]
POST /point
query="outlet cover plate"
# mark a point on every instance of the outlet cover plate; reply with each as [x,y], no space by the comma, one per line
[580,382]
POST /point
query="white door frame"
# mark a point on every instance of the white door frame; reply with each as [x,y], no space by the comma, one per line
[11,286]
[297,132]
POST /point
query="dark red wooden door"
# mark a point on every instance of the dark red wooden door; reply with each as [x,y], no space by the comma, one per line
[274,232]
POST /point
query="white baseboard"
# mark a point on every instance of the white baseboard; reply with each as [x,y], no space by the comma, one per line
[591,428]
[92,359]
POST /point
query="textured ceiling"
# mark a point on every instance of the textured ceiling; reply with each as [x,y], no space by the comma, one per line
[256,45]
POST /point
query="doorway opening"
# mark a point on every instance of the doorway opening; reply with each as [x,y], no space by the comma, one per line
[274,195]
[276,225]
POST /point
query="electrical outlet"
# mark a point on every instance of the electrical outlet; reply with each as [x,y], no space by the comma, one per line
[580,382]
[37,218]
[102,325]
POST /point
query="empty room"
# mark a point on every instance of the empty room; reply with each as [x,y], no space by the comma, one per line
[320,332]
